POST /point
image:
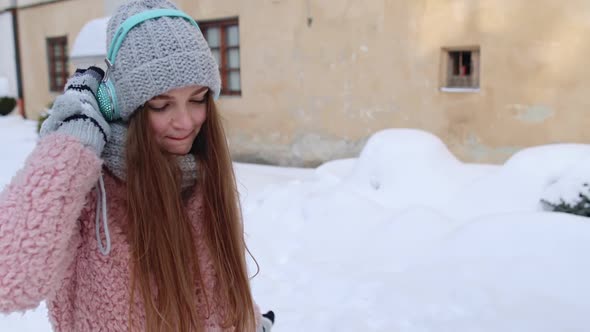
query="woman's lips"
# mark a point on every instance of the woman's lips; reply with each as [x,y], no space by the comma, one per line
[179,139]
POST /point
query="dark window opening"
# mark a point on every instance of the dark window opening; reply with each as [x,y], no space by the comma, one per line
[462,65]
[463,69]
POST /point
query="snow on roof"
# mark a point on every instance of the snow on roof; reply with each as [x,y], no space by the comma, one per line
[91,40]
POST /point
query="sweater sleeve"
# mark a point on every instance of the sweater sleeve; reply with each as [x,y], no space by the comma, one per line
[39,211]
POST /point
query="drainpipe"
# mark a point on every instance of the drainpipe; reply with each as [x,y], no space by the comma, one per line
[19,81]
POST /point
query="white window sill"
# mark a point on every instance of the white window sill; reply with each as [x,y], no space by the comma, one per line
[460,90]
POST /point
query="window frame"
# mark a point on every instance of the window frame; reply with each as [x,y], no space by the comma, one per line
[51,44]
[223,48]
[461,82]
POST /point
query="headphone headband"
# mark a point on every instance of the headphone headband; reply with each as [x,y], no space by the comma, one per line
[136,19]
[106,94]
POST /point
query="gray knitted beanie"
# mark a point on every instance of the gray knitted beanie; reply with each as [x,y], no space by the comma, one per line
[158,55]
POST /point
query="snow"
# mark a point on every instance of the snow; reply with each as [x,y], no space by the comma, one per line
[4,89]
[570,184]
[91,41]
[18,138]
[403,238]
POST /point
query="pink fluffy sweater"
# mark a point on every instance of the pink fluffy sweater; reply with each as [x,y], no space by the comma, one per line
[49,251]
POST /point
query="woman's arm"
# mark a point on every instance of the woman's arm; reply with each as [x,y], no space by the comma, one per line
[39,210]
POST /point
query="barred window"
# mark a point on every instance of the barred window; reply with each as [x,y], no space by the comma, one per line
[223,37]
[462,68]
[57,60]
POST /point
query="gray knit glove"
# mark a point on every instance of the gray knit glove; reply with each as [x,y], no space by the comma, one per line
[267,321]
[76,112]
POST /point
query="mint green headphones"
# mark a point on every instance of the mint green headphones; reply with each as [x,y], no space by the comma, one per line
[106,94]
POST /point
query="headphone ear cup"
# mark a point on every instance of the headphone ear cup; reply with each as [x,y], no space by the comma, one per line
[107,102]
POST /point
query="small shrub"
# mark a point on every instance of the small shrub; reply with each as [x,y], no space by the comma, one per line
[581,207]
[44,115]
[7,104]
[42,118]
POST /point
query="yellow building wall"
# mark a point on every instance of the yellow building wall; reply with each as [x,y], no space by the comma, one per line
[36,24]
[315,92]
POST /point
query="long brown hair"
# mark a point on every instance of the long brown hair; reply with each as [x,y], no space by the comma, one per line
[161,237]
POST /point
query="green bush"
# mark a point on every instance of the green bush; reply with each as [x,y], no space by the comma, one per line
[580,208]
[7,104]
[42,118]
[44,115]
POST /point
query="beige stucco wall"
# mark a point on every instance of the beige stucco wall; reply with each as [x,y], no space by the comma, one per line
[25,3]
[38,23]
[314,93]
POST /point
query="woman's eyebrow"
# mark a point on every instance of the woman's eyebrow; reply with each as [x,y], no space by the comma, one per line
[163,96]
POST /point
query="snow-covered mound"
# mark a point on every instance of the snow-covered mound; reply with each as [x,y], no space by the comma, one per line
[404,238]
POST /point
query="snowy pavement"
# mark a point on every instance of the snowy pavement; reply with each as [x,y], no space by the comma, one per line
[404,238]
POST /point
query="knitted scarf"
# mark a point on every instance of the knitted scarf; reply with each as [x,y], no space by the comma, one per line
[114,157]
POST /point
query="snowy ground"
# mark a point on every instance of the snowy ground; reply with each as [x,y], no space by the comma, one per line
[404,238]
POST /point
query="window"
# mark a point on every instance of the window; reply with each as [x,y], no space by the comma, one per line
[462,68]
[57,58]
[223,37]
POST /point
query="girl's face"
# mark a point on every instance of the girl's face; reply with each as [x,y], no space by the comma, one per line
[176,117]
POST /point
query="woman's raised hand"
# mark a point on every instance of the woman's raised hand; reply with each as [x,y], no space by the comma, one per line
[76,112]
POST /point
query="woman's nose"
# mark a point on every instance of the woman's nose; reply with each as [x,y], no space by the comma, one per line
[181,118]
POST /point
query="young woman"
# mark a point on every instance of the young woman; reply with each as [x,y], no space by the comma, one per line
[133,224]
